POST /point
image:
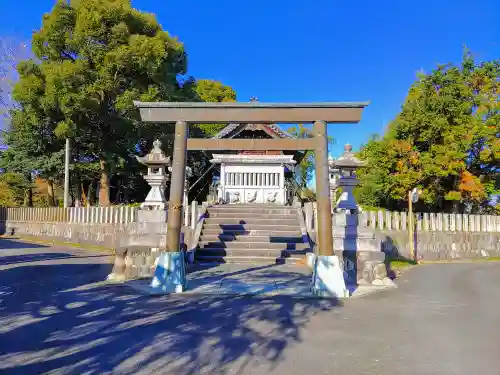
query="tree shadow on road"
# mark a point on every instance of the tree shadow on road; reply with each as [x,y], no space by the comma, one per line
[65,324]
[12,243]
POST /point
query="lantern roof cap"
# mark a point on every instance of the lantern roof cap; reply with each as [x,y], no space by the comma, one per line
[348,159]
[155,157]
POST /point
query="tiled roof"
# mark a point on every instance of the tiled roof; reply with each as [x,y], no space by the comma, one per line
[234,127]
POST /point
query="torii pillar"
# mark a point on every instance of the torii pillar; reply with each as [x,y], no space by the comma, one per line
[183,113]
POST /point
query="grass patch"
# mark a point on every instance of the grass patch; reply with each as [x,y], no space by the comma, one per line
[486,259]
[398,264]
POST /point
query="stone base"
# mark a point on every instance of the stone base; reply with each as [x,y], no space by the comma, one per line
[357,244]
[151,216]
[362,267]
[328,280]
[134,262]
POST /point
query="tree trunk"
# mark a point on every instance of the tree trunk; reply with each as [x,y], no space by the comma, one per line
[91,193]
[28,194]
[50,193]
[104,184]
[28,197]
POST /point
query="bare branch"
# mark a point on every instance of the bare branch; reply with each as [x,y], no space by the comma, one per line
[12,51]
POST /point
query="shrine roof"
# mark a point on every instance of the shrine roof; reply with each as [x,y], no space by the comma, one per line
[233,130]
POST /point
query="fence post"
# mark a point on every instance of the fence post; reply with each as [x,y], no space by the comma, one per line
[194,214]
[418,219]
[490,223]
[439,221]
[373,220]
[459,220]
[396,220]
[315,216]
[453,226]
[364,219]
[404,220]
[127,215]
[425,221]
[465,223]
[388,219]
[480,223]
[381,220]
[472,223]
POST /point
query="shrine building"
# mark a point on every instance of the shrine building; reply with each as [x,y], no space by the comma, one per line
[255,177]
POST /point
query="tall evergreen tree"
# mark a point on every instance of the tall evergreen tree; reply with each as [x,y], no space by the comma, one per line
[96,57]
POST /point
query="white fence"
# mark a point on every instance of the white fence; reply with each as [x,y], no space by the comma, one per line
[89,215]
[103,215]
[86,215]
[427,222]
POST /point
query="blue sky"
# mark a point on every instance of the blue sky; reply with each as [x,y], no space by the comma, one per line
[298,51]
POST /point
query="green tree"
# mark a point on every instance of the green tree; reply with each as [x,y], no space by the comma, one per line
[96,57]
[214,92]
[305,170]
[445,140]
[32,143]
[13,189]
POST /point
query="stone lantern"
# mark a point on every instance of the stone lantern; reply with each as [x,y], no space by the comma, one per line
[157,177]
[347,165]
[358,247]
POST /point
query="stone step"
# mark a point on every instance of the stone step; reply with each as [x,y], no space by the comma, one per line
[252,245]
[263,252]
[277,210]
[250,215]
[250,205]
[252,226]
[247,238]
[265,231]
[265,220]
[353,244]
[249,260]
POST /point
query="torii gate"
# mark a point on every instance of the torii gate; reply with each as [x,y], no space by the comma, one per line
[183,113]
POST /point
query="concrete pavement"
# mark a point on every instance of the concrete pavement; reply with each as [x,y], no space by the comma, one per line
[57,317]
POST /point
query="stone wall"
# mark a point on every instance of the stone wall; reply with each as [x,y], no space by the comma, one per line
[106,235]
[111,236]
[442,245]
[437,236]
[438,245]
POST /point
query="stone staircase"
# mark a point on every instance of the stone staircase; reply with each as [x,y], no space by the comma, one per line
[263,234]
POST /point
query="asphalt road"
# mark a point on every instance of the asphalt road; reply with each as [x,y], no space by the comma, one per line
[55,319]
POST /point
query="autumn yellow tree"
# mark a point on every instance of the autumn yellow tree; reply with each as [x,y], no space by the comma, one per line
[445,140]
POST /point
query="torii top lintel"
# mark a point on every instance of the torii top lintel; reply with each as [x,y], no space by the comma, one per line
[253,112]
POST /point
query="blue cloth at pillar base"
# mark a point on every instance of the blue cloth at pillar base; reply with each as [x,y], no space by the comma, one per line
[170,273]
[328,278]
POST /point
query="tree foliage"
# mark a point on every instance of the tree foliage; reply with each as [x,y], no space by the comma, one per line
[445,140]
[91,60]
[305,170]
[214,92]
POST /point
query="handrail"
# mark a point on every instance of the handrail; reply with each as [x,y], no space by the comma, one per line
[203,175]
[197,232]
[297,189]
